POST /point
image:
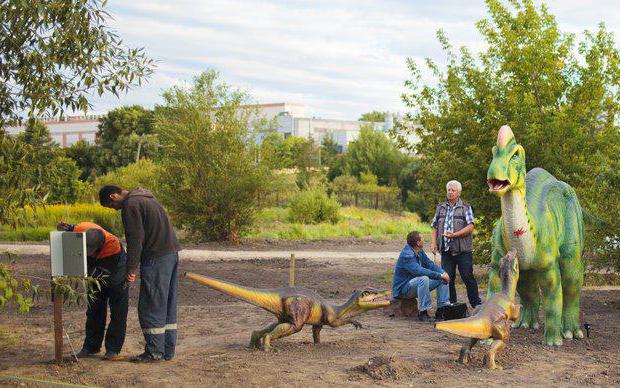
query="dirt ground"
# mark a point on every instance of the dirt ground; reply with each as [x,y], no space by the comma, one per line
[214,332]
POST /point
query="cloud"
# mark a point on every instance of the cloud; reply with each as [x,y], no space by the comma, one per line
[340,58]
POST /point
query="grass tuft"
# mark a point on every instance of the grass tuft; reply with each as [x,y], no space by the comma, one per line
[355,222]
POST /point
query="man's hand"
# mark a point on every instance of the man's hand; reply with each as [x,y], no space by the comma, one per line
[449,234]
[131,277]
[63,226]
[445,278]
[434,249]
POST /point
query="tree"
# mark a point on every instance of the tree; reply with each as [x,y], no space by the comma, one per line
[36,134]
[409,184]
[210,179]
[125,135]
[273,152]
[561,100]
[374,152]
[329,150]
[58,54]
[86,156]
[125,121]
[61,180]
[373,117]
[143,173]
[20,179]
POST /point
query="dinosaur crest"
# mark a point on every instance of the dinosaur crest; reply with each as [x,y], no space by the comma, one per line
[505,137]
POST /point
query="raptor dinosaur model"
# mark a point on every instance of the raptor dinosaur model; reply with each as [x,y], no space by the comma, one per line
[492,318]
[543,220]
[296,306]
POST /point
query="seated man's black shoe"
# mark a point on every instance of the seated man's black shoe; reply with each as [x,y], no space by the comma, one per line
[424,317]
[146,357]
[439,314]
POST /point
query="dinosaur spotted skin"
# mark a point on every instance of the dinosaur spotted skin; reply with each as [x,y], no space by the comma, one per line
[492,319]
[543,220]
[297,306]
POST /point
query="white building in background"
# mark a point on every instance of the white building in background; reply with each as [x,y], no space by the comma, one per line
[67,131]
[289,117]
[290,120]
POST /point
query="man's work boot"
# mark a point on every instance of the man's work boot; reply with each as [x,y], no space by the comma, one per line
[111,356]
[84,353]
[146,357]
[424,317]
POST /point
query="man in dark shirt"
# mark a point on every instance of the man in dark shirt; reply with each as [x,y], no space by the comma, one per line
[152,244]
[415,275]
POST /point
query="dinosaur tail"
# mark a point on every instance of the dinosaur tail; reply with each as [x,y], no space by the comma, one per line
[472,327]
[270,301]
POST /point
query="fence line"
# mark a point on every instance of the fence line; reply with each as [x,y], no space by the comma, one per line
[389,201]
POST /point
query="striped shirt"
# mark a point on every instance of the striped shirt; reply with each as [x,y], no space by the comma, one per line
[448,224]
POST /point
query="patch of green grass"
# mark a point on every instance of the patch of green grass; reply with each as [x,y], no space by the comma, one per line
[8,338]
[37,223]
[355,222]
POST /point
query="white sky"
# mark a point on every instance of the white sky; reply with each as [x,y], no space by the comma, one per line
[340,58]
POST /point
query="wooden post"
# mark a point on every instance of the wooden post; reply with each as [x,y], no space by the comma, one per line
[376,200]
[291,277]
[58,340]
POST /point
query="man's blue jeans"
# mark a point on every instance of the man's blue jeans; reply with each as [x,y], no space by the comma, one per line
[157,305]
[421,288]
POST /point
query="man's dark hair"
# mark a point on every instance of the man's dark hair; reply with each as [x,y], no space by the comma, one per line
[106,191]
[413,238]
[95,239]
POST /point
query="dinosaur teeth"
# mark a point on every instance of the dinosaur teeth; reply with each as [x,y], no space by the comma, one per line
[498,184]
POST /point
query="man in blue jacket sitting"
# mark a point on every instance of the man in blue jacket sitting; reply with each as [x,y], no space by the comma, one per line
[415,275]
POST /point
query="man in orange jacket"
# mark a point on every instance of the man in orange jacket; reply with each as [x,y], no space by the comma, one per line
[107,260]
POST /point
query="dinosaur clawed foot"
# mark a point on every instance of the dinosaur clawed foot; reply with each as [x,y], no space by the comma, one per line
[356,324]
[571,326]
[553,337]
[527,320]
[573,334]
[260,342]
[465,357]
[490,362]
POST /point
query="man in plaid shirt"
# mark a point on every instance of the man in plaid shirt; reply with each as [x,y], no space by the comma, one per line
[453,226]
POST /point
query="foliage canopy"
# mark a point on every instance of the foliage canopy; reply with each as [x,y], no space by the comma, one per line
[57,54]
[210,178]
[560,98]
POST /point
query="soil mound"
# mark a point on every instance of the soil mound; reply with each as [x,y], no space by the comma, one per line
[386,368]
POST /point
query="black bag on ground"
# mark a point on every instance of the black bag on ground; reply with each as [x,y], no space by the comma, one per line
[453,311]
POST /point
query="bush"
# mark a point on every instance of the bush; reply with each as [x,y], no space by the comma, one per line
[368,178]
[63,182]
[143,174]
[211,181]
[313,207]
[281,188]
[344,183]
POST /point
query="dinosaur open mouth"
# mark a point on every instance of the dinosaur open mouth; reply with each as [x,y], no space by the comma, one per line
[379,299]
[498,184]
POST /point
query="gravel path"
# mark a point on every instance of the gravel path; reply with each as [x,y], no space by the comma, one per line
[216,255]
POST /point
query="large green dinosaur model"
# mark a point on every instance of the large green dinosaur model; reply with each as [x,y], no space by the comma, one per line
[492,318]
[297,306]
[543,221]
